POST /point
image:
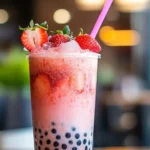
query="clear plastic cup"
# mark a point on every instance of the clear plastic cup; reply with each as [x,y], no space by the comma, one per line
[63,89]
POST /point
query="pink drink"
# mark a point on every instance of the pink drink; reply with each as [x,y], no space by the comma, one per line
[63,88]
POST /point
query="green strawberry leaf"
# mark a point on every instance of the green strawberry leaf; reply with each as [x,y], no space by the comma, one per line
[81,31]
[59,31]
[31,23]
[66,30]
[23,29]
[43,25]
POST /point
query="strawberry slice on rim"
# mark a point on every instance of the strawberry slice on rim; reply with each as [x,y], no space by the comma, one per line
[34,35]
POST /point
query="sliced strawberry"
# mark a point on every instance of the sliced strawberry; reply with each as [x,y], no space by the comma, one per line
[32,38]
[34,35]
[87,42]
[78,82]
[41,87]
[57,39]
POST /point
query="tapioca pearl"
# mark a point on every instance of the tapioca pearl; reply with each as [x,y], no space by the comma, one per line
[39,148]
[64,146]
[35,136]
[68,135]
[84,141]
[53,123]
[74,148]
[78,142]
[46,148]
[70,142]
[56,144]
[77,135]
[40,131]
[56,149]
[35,129]
[86,148]
[73,129]
[54,131]
[48,141]
[85,134]
[46,133]
[58,137]
[91,133]
[41,136]
[89,142]
[41,143]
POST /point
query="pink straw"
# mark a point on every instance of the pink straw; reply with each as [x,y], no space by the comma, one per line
[101,18]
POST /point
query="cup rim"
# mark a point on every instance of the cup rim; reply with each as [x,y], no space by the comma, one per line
[55,55]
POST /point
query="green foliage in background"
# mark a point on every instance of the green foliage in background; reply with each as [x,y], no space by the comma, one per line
[14,72]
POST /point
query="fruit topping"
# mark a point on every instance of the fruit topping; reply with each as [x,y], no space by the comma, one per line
[34,35]
[61,36]
[87,42]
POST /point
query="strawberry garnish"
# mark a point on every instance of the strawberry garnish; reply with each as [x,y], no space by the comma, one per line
[87,42]
[61,36]
[34,35]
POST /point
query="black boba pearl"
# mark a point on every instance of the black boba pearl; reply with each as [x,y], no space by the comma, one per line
[77,136]
[70,142]
[73,129]
[91,133]
[48,141]
[58,137]
[64,146]
[54,131]
[39,148]
[86,147]
[41,142]
[84,141]
[74,148]
[46,148]
[56,144]
[78,142]
[89,142]
[46,133]
[35,129]
[40,130]
[35,136]
[68,135]
[56,149]
[53,123]
[41,136]
[85,134]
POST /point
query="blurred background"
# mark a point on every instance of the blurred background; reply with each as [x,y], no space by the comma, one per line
[123,96]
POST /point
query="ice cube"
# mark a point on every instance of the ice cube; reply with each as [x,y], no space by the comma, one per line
[47,45]
[69,47]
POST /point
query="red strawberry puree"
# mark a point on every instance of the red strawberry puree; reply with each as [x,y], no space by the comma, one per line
[63,88]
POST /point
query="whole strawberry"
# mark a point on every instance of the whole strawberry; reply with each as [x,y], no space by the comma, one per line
[34,35]
[61,36]
[87,42]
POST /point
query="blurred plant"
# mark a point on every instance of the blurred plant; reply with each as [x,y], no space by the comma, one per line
[14,72]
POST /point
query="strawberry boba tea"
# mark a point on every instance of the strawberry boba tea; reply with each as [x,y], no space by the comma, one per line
[63,72]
